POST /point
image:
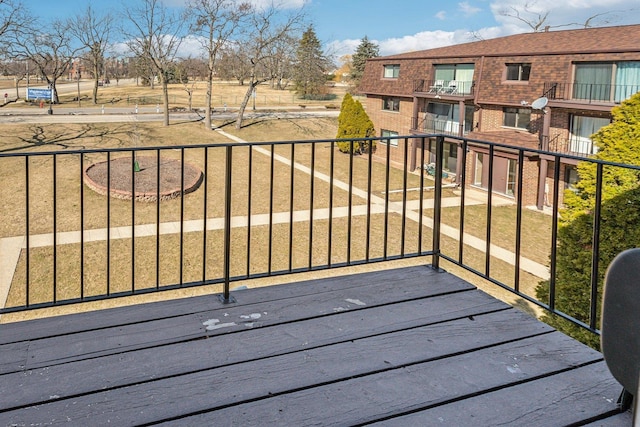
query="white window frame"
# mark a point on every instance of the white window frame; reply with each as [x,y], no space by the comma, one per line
[521,73]
[391,71]
[392,102]
[385,133]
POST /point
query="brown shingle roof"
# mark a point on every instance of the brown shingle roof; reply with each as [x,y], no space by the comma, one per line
[589,40]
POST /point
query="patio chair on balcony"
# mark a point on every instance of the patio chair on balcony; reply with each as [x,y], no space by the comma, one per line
[620,329]
[452,88]
[437,87]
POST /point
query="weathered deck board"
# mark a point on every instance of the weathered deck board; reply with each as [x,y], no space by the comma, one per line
[348,350]
[53,327]
[533,403]
[159,362]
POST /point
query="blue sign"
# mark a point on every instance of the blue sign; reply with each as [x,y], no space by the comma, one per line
[38,93]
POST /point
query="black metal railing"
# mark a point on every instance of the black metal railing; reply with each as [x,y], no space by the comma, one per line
[574,145]
[444,87]
[589,92]
[238,211]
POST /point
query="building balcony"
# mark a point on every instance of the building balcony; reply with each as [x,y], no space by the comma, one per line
[444,88]
[381,313]
[574,146]
[594,94]
[434,124]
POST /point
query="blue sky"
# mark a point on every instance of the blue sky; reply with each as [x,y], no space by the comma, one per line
[404,25]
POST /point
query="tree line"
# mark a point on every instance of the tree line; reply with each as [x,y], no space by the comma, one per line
[146,40]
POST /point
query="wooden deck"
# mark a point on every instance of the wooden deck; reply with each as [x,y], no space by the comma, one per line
[401,347]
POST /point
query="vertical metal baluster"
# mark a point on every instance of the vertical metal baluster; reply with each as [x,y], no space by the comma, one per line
[331,177]
[404,197]
[554,237]
[463,184]
[437,203]
[311,205]
[292,170]
[55,229]
[250,184]
[386,199]
[519,220]
[133,221]
[158,219]
[81,227]
[595,254]
[226,297]
[350,205]
[369,189]
[271,191]
[27,233]
[420,221]
[487,260]
[205,188]
[108,223]
[181,216]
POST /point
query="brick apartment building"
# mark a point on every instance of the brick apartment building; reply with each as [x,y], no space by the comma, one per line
[487,90]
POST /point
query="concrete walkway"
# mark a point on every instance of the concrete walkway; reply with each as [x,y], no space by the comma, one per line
[11,247]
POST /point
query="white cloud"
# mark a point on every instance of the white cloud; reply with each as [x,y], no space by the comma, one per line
[442,15]
[424,40]
[467,9]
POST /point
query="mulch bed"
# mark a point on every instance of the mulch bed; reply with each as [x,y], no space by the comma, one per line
[147,186]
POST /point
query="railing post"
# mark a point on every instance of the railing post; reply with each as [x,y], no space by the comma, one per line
[437,203]
[226,296]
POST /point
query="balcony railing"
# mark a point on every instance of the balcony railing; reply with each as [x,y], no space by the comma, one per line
[434,124]
[589,93]
[444,87]
[574,146]
[266,209]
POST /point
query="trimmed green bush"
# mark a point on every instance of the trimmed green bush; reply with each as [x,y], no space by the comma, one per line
[353,123]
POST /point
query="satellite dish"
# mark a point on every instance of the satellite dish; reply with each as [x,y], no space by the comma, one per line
[540,103]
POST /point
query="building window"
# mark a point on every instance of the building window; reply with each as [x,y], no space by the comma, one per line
[517,117]
[593,81]
[606,81]
[582,127]
[391,71]
[454,78]
[393,141]
[445,118]
[390,104]
[518,72]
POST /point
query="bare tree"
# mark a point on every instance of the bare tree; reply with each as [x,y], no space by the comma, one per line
[187,72]
[234,63]
[18,70]
[93,31]
[216,22]
[156,38]
[266,27]
[281,61]
[538,20]
[51,51]
[11,16]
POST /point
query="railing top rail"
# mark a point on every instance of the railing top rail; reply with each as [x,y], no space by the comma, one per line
[449,137]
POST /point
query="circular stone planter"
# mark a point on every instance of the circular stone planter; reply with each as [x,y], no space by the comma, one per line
[148,188]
